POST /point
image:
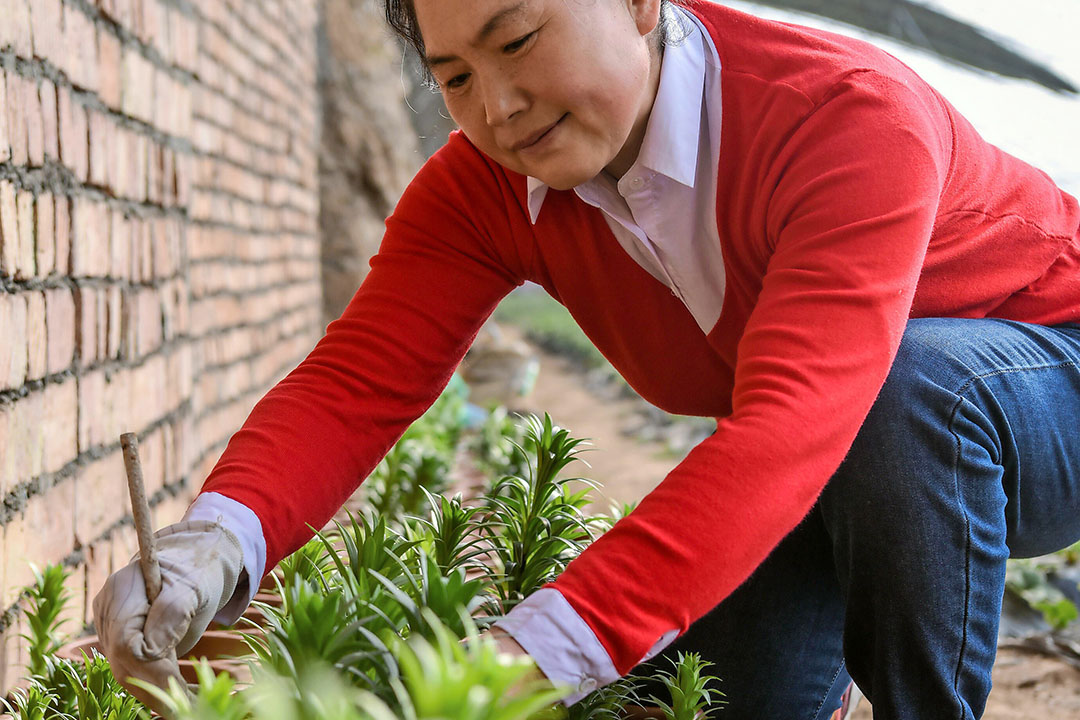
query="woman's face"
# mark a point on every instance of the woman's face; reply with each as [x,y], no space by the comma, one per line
[556,89]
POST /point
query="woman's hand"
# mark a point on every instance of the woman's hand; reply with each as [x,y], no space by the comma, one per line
[507,644]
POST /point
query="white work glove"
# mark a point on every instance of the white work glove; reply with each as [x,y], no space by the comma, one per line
[201,563]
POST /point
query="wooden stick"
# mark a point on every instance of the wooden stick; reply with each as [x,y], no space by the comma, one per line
[140,509]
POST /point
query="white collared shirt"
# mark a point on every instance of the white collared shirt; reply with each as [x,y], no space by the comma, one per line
[663,213]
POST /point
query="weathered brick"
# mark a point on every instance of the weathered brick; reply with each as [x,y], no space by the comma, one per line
[82,43]
[60,326]
[92,410]
[50,120]
[115,322]
[152,457]
[42,534]
[19,27]
[25,265]
[62,227]
[144,240]
[98,569]
[101,496]
[45,23]
[124,546]
[61,423]
[31,112]
[73,134]
[170,510]
[9,229]
[101,132]
[149,331]
[13,356]
[120,246]
[5,141]
[119,150]
[90,227]
[45,234]
[109,54]
[85,306]
[12,647]
[36,336]
[26,438]
[7,463]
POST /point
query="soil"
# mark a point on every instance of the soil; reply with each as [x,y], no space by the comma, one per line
[1026,686]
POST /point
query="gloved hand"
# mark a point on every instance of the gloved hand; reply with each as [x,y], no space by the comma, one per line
[201,563]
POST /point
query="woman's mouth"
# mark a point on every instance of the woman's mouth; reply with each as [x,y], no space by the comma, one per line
[539,140]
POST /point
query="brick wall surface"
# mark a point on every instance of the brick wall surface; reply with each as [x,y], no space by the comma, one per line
[159,260]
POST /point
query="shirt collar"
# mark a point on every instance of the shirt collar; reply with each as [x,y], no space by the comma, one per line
[670,145]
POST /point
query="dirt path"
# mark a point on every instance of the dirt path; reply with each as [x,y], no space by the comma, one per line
[1026,686]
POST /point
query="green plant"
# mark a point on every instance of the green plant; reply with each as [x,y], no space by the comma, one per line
[690,698]
[445,678]
[214,697]
[452,533]
[537,524]
[47,598]
[1030,580]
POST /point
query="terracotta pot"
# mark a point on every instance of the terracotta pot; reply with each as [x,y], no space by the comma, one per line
[225,649]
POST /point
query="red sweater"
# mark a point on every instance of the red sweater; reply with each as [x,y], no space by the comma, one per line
[851,197]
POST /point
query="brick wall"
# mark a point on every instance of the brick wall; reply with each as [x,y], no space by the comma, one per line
[159,259]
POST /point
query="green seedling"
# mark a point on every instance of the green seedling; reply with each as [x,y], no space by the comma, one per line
[690,698]
[47,598]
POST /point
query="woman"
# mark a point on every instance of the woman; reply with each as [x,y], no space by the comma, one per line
[781,228]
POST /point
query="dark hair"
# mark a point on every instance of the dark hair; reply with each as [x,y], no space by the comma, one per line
[402,19]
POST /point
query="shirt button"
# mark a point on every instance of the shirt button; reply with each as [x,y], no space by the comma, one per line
[636,182]
[587,685]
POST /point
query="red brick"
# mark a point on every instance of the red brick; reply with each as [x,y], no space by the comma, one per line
[36,347]
[90,227]
[137,162]
[101,496]
[21,36]
[42,534]
[118,150]
[149,332]
[61,424]
[31,111]
[5,141]
[85,307]
[25,264]
[98,569]
[45,234]
[124,545]
[46,24]
[25,437]
[62,227]
[13,354]
[81,40]
[9,229]
[50,120]
[144,239]
[73,134]
[100,136]
[115,322]
[120,246]
[152,457]
[92,410]
[12,664]
[109,54]
[60,326]
[16,119]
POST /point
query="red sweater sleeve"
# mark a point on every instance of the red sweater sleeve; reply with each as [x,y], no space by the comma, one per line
[313,438]
[850,212]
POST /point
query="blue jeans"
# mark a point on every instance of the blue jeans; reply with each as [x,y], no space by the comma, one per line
[970,454]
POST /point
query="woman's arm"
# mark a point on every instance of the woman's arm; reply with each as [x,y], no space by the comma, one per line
[318,433]
[850,218]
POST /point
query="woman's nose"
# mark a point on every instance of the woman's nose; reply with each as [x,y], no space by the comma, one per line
[503,98]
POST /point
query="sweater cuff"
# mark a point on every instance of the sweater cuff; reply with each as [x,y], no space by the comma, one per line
[242,522]
[562,644]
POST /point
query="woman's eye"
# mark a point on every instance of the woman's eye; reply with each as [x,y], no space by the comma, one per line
[518,44]
[456,81]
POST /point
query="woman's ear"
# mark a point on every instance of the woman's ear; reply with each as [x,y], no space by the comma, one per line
[646,14]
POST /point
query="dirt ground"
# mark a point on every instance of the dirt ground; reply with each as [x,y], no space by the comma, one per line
[1026,686]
